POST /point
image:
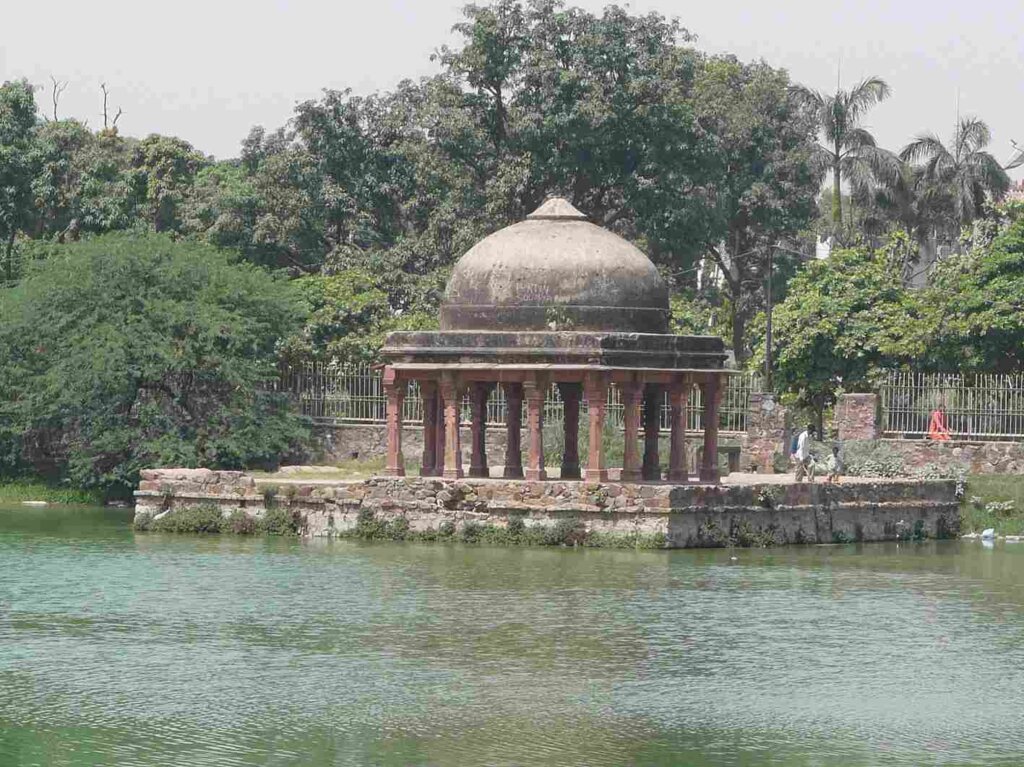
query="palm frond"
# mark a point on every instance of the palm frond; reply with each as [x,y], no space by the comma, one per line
[857,138]
[923,147]
[865,95]
[972,134]
[807,98]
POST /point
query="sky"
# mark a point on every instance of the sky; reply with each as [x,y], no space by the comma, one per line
[209,70]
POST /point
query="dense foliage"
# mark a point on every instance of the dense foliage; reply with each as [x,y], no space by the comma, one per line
[850,316]
[694,157]
[711,165]
[122,352]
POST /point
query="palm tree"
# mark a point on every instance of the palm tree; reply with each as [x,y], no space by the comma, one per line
[848,150]
[963,172]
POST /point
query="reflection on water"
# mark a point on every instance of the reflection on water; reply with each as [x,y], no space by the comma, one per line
[127,649]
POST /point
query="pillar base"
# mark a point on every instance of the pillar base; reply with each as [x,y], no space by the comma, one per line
[394,472]
[630,476]
[512,472]
[597,475]
[536,475]
[678,476]
[710,475]
[570,471]
[479,472]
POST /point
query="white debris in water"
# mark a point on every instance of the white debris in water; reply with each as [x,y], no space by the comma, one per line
[34,503]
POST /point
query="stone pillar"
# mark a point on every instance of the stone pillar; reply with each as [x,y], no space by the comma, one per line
[535,389]
[856,417]
[440,436]
[394,391]
[571,429]
[652,430]
[597,402]
[711,391]
[428,394]
[767,433]
[678,396]
[513,425]
[451,393]
[632,396]
[478,403]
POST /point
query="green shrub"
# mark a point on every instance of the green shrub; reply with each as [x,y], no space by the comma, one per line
[472,531]
[192,519]
[240,523]
[279,521]
[872,458]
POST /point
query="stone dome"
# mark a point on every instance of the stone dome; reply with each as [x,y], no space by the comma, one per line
[555,270]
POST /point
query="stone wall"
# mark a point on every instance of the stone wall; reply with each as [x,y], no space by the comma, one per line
[972,457]
[678,515]
[345,442]
[857,420]
[768,432]
[856,417]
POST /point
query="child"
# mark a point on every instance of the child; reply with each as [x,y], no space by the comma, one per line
[834,466]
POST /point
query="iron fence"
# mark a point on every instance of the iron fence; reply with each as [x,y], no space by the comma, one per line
[331,394]
[982,407]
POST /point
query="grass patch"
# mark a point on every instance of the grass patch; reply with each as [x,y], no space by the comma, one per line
[17,492]
[995,501]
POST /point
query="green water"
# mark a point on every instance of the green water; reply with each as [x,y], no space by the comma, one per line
[140,649]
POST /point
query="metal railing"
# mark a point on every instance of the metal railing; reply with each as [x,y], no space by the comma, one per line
[981,407]
[337,395]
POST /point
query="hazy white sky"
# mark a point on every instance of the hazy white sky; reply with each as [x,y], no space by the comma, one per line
[208,71]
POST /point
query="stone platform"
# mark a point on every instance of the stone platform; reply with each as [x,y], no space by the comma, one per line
[743,510]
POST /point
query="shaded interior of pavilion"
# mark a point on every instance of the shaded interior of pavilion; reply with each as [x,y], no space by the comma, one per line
[531,402]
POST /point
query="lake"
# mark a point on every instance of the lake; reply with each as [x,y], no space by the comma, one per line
[146,649]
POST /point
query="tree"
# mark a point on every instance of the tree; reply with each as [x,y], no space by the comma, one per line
[849,150]
[976,307]
[18,163]
[349,318]
[764,190]
[169,166]
[125,351]
[963,173]
[845,318]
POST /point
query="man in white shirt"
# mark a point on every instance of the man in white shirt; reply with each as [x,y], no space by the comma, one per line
[802,456]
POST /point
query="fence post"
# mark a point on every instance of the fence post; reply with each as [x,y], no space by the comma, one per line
[767,433]
[856,417]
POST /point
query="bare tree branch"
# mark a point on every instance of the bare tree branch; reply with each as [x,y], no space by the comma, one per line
[107,125]
[58,88]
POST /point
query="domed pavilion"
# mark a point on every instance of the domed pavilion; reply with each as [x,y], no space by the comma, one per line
[554,299]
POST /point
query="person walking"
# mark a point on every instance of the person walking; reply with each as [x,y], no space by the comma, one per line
[802,456]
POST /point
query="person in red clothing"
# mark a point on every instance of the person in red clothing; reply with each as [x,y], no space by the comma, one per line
[937,428]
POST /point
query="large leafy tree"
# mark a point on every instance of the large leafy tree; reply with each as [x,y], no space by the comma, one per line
[845,318]
[976,307]
[764,190]
[962,175]
[169,166]
[18,164]
[124,351]
[847,150]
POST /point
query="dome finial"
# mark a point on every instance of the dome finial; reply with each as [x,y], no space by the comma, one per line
[556,209]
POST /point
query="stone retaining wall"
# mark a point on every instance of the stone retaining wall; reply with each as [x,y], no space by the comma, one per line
[972,457]
[682,515]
